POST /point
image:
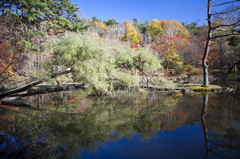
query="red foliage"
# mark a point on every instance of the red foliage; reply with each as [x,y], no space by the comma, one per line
[11,59]
[163,44]
[133,46]
[176,39]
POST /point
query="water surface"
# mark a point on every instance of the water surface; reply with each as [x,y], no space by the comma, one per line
[75,124]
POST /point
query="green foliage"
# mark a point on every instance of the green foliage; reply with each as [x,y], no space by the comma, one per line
[195,28]
[142,28]
[110,22]
[79,25]
[59,12]
[231,134]
[146,60]
[31,33]
[12,13]
[95,63]
[234,40]
[180,70]
[94,18]
[165,83]
[135,20]
[29,45]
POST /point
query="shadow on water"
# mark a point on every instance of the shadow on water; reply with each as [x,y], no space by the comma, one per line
[66,124]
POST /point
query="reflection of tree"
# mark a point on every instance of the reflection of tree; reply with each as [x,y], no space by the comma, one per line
[71,133]
[231,147]
[180,113]
[64,130]
[204,111]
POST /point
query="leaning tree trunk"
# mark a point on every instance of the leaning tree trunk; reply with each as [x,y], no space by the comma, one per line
[30,85]
[204,63]
[233,66]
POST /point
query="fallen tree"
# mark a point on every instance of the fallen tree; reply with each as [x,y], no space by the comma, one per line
[29,85]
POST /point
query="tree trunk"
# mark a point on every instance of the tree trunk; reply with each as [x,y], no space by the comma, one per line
[3,4]
[167,65]
[22,89]
[234,65]
[204,63]
[30,85]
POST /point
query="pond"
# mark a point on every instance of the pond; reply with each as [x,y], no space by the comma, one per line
[74,124]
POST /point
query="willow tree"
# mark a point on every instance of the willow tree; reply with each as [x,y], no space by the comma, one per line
[229,29]
[92,61]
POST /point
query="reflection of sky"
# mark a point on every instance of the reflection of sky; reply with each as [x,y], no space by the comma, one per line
[15,144]
[168,144]
[184,142]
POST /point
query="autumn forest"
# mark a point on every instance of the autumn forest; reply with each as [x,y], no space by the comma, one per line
[75,87]
[42,40]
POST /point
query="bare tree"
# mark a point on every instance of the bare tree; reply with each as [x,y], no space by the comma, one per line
[117,30]
[226,30]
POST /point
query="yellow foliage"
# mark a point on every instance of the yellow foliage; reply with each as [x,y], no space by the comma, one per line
[154,28]
[177,28]
[175,59]
[130,33]
[172,56]
[101,25]
[176,95]
[11,74]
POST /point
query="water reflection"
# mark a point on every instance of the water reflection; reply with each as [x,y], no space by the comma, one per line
[228,144]
[65,124]
[63,131]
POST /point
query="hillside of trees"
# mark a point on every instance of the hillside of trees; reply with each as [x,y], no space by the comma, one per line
[42,40]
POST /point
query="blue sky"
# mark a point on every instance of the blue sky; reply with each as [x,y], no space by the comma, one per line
[187,11]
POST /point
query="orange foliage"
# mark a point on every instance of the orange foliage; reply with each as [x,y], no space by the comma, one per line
[163,23]
[100,24]
[135,47]
[216,22]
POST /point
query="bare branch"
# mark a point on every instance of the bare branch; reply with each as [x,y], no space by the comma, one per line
[224,3]
[234,24]
[6,78]
[217,13]
[220,36]
[200,20]
[214,2]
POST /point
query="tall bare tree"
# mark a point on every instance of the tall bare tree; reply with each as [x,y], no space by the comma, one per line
[228,29]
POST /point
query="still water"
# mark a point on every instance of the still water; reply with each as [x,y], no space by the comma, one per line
[152,125]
